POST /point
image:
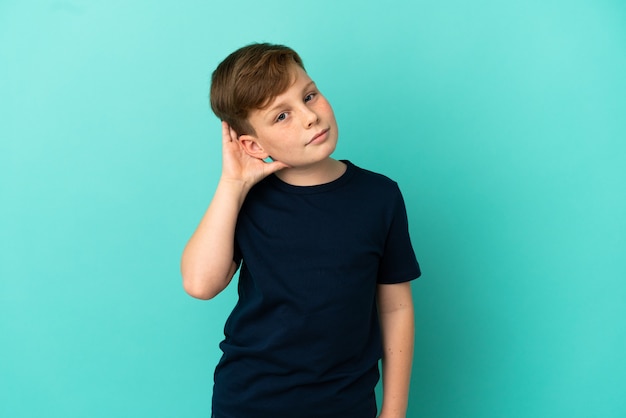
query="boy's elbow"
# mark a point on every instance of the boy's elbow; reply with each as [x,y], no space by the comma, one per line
[198,290]
[205,285]
[198,285]
[202,295]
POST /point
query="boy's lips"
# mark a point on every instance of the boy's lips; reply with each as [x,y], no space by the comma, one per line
[318,136]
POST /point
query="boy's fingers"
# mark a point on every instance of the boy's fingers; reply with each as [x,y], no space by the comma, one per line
[275,166]
[233,135]
[226,132]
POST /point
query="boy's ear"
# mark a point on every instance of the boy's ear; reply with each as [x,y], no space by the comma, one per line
[252,147]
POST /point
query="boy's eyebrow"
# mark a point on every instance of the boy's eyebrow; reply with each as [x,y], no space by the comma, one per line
[282,104]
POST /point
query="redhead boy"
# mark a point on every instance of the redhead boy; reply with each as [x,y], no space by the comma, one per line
[325,255]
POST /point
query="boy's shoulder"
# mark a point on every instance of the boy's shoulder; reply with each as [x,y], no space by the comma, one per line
[372,177]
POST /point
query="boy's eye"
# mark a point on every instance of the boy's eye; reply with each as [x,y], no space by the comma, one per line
[281,117]
[309,97]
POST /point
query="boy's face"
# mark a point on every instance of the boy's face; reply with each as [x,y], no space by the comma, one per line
[298,127]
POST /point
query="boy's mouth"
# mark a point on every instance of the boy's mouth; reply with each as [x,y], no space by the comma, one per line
[318,136]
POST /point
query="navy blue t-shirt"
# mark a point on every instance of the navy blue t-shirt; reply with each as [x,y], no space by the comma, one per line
[304,338]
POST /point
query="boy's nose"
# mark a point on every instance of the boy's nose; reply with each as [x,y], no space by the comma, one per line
[310,117]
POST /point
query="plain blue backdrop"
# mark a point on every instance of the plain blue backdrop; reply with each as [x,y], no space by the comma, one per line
[503,123]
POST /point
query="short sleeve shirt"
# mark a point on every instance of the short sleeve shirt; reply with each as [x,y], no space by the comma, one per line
[304,338]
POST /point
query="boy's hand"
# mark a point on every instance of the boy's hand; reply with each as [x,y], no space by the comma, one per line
[237,165]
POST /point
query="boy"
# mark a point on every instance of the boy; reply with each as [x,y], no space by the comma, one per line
[326,259]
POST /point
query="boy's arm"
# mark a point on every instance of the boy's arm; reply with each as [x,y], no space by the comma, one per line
[207,264]
[395,305]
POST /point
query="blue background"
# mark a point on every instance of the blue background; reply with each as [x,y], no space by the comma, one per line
[503,122]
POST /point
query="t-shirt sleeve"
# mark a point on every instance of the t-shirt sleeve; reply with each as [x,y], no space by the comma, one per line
[398,263]
[237,256]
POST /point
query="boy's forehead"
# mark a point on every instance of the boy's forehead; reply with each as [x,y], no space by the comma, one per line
[299,79]
[299,83]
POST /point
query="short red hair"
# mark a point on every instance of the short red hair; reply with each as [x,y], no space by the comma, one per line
[249,79]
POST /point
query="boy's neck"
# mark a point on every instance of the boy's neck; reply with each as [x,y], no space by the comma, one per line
[320,173]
